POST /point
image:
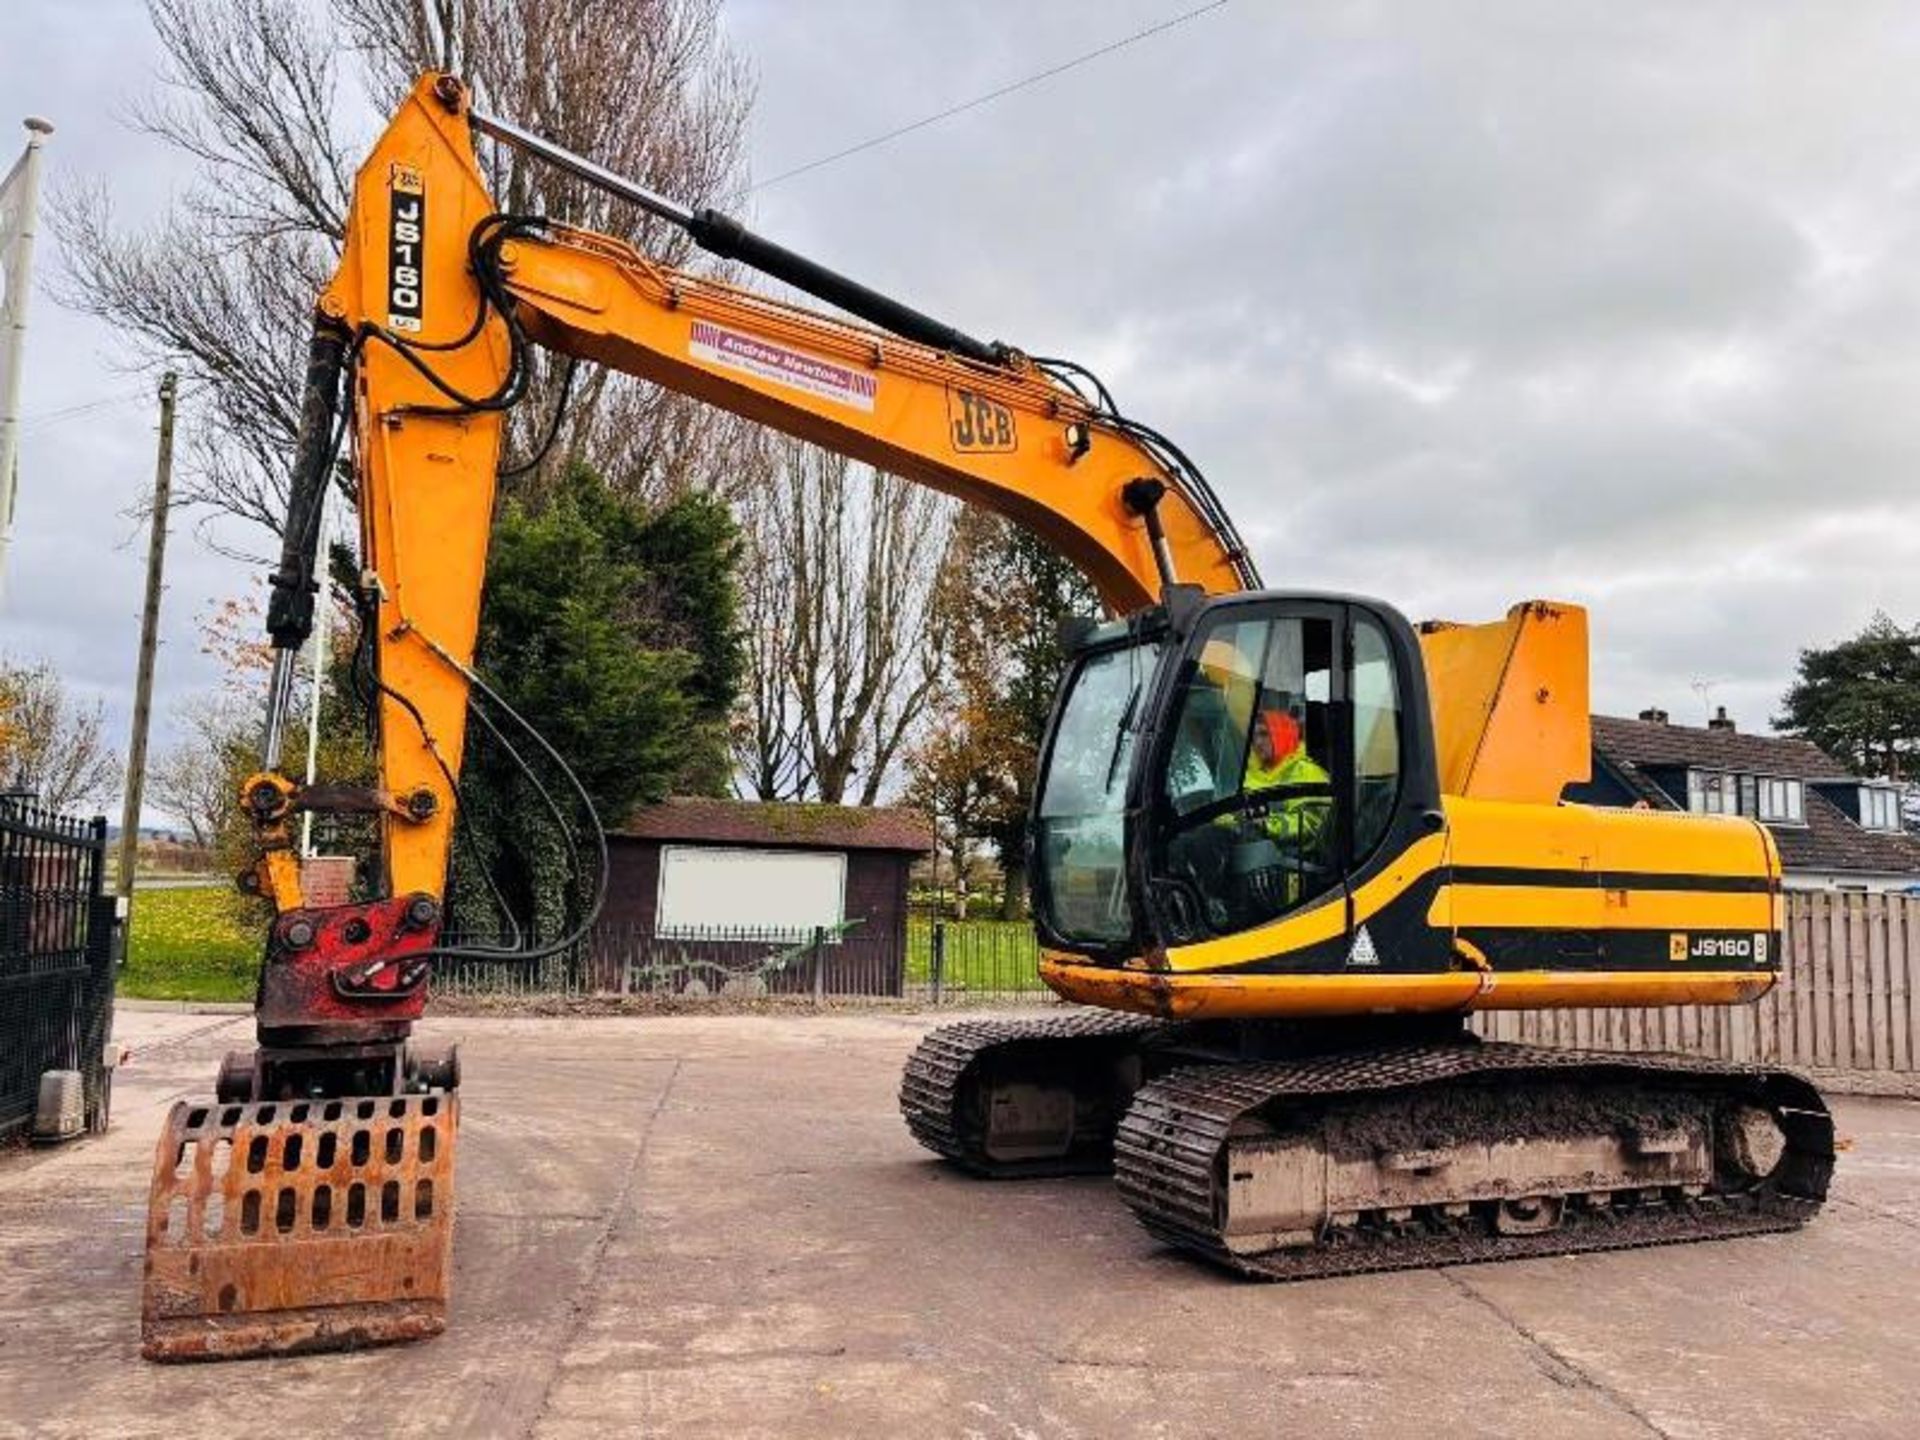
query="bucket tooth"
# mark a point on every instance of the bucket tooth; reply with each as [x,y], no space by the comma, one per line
[279,1227]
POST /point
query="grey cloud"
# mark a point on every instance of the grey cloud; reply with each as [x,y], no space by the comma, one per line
[1458,304]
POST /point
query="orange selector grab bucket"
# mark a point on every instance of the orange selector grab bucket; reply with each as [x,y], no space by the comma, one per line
[280,1227]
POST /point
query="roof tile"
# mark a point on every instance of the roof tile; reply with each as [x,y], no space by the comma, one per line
[1831,841]
[1653,743]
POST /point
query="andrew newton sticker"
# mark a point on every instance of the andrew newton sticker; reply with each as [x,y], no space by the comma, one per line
[407,229]
[782,365]
[979,424]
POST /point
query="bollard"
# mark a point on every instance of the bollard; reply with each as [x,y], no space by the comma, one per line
[61,1112]
[819,971]
[937,959]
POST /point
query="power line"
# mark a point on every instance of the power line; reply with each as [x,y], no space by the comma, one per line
[104,402]
[85,407]
[993,95]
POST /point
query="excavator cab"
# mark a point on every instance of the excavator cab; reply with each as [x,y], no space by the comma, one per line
[1218,765]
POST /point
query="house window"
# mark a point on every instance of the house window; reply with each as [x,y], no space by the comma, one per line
[1879,807]
[1782,802]
[770,894]
[1710,792]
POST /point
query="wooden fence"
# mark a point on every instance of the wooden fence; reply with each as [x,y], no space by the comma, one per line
[1846,1000]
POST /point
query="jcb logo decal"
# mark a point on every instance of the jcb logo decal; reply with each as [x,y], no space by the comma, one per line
[979,424]
[406,237]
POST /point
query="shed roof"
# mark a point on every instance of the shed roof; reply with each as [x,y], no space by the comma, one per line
[781,825]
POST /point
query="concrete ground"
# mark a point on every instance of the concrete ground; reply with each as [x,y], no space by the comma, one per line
[717,1226]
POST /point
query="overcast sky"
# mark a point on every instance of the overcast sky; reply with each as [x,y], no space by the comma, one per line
[1456,304]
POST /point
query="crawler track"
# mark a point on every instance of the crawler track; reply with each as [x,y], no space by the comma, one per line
[1170,1149]
[942,1092]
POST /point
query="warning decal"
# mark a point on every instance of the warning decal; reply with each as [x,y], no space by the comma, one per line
[1363,952]
[793,368]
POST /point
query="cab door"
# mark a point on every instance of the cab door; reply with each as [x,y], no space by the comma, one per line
[1251,819]
[1296,803]
[1397,854]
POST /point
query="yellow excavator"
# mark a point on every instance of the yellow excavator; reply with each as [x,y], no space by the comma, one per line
[1284,842]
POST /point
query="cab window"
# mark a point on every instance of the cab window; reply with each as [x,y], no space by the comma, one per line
[1245,828]
[1376,737]
[1080,830]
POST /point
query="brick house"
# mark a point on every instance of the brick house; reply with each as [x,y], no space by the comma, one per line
[1834,830]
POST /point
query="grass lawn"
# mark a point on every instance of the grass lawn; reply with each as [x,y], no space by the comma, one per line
[979,955]
[187,944]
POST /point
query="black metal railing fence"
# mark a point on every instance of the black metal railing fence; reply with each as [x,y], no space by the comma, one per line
[932,962]
[56,958]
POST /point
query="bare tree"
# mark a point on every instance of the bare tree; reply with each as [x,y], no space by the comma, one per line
[1001,597]
[770,755]
[224,285]
[951,779]
[839,578]
[193,779]
[50,743]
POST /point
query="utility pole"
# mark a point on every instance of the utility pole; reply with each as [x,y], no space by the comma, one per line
[149,641]
[19,206]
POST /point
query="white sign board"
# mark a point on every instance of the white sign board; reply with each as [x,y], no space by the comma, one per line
[771,893]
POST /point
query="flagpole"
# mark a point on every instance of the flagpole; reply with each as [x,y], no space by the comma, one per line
[19,283]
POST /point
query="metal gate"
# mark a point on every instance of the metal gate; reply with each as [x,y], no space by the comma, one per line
[56,958]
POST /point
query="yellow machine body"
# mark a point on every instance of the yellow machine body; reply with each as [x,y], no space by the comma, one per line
[1538,880]
[1540,904]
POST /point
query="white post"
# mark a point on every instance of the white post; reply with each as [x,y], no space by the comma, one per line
[16,281]
[319,663]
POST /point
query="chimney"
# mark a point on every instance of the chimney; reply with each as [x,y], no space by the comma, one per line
[1721,720]
[1654,717]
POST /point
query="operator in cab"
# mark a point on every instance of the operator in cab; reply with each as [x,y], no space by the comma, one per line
[1293,799]
[1278,756]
